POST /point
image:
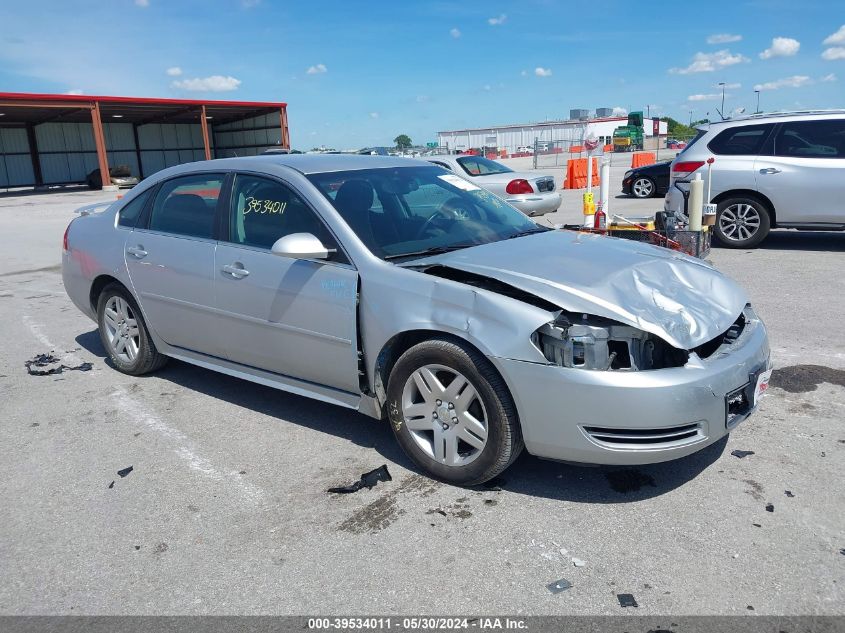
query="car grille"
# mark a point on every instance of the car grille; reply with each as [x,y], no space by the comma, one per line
[546,184]
[646,438]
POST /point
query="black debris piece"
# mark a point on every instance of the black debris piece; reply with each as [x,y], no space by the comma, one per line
[490,502]
[750,608]
[842,551]
[626,600]
[242,472]
[368,481]
[125,471]
[741,454]
[756,525]
[770,507]
[111,485]
[137,547]
[559,586]
[788,493]
[35,366]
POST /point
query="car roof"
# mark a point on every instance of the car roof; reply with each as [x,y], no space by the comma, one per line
[767,117]
[303,163]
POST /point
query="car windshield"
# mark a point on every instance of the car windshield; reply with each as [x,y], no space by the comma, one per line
[480,166]
[417,211]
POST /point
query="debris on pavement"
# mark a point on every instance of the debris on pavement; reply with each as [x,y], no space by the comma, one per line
[559,586]
[626,600]
[125,471]
[111,485]
[788,493]
[35,366]
[770,507]
[368,481]
[578,562]
[741,454]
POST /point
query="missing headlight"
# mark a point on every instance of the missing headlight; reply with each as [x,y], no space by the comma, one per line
[600,344]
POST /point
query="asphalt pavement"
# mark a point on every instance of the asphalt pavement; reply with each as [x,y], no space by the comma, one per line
[225,510]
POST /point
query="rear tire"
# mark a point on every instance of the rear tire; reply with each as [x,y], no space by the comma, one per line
[452,413]
[741,222]
[124,333]
[643,187]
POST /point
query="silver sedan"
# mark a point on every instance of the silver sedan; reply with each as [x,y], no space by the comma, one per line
[530,192]
[396,288]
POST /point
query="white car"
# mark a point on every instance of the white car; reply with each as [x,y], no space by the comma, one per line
[524,149]
[530,192]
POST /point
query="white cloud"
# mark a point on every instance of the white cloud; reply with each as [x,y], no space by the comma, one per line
[524,73]
[781,47]
[828,78]
[709,62]
[543,72]
[796,81]
[729,86]
[723,38]
[705,97]
[173,71]
[834,52]
[214,83]
[75,91]
[836,38]
[497,21]
[456,33]
[317,69]
[620,111]
[373,115]
[142,3]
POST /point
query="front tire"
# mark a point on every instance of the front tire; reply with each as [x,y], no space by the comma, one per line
[643,187]
[452,413]
[741,222]
[124,333]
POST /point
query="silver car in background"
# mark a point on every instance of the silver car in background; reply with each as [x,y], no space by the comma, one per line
[394,287]
[530,192]
[783,170]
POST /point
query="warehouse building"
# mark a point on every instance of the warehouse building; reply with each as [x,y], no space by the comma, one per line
[50,139]
[511,137]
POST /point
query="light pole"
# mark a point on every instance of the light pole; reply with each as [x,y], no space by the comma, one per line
[690,118]
[758,102]
[722,112]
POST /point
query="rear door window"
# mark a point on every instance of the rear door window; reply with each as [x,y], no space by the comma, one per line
[744,140]
[811,139]
[187,205]
[130,212]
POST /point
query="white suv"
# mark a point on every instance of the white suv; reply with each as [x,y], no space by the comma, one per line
[784,170]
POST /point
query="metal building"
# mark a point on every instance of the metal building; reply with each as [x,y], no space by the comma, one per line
[59,139]
[511,137]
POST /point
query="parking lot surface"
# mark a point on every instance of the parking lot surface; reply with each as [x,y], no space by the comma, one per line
[225,510]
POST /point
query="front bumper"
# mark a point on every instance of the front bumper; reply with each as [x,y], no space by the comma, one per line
[678,411]
[673,201]
[536,204]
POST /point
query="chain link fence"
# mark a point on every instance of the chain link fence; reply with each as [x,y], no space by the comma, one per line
[550,154]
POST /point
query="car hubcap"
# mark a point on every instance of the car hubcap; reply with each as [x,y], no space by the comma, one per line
[122,329]
[642,188]
[739,222]
[445,415]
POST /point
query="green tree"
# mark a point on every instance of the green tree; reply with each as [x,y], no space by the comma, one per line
[403,141]
[677,129]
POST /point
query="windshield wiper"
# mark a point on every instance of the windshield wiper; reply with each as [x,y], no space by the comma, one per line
[434,250]
[539,229]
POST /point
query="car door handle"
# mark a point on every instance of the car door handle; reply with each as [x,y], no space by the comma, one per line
[137,251]
[770,170]
[238,272]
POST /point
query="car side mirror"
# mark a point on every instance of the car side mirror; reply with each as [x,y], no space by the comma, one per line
[301,246]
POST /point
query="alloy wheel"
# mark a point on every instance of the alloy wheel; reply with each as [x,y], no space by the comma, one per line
[122,331]
[643,188]
[739,222]
[445,415]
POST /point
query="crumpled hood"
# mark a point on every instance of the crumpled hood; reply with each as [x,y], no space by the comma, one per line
[679,298]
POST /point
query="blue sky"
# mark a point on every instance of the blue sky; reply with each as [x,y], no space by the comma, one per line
[359,73]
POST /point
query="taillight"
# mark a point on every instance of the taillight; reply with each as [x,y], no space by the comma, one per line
[686,167]
[64,239]
[520,185]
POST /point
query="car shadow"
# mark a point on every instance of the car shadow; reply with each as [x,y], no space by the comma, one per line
[529,475]
[787,240]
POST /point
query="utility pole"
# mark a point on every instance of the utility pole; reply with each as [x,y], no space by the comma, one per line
[722,111]
[690,118]
[758,102]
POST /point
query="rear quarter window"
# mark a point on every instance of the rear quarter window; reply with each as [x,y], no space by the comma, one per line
[742,140]
[129,213]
